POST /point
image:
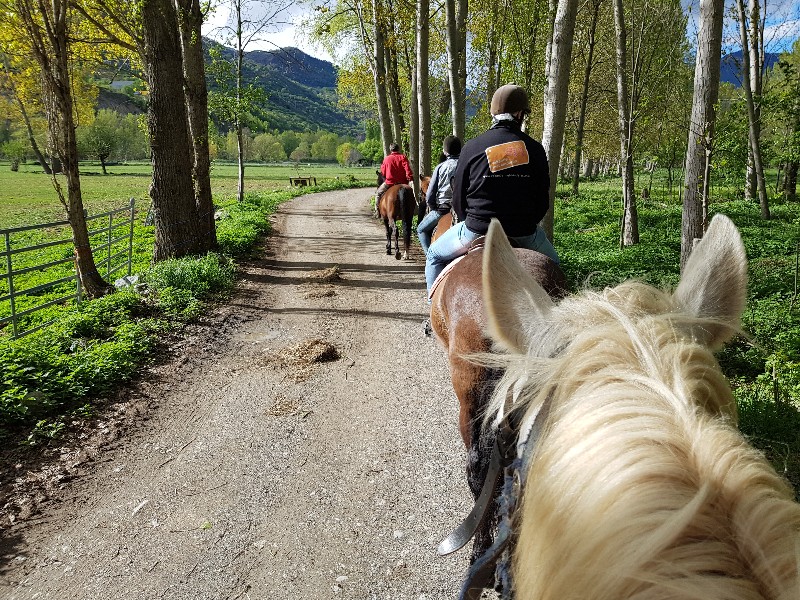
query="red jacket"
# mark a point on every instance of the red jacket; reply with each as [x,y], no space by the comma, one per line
[395,169]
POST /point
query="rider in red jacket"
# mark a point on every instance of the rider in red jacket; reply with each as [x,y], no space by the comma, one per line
[394,169]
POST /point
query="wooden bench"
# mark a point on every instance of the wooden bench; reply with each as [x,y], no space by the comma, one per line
[302,181]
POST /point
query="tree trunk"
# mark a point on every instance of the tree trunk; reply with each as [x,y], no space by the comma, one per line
[753,128]
[423,86]
[701,125]
[630,219]
[379,74]
[177,232]
[28,128]
[456,20]
[413,133]
[191,19]
[395,100]
[755,50]
[555,105]
[238,121]
[584,98]
[790,180]
[51,50]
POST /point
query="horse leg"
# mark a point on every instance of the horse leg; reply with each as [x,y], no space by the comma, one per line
[407,237]
[388,236]
[396,230]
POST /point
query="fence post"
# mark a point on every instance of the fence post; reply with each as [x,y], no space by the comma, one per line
[130,237]
[10,274]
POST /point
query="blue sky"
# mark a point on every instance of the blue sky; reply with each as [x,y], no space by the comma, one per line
[783,27]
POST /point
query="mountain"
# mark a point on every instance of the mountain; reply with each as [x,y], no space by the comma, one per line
[300,90]
[731,66]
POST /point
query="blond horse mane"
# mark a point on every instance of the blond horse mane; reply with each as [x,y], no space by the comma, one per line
[641,486]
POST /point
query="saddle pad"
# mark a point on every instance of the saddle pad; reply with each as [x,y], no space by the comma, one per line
[476,245]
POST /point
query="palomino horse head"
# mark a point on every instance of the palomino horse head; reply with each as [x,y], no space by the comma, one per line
[640,485]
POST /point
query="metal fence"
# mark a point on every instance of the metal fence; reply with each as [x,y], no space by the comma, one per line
[107,261]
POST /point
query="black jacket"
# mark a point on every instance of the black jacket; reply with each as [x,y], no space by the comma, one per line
[502,174]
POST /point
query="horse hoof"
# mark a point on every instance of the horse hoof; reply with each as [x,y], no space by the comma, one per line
[388,252]
[397,256]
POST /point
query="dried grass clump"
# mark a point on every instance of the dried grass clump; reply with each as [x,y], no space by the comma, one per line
[326,275]
[302,357]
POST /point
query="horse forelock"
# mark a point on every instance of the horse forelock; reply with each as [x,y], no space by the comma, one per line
[641,487]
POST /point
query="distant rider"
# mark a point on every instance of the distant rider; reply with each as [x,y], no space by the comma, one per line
[440,191]
[394,169]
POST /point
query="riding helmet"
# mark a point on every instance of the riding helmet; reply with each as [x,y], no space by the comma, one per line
[451,145]
[510,99]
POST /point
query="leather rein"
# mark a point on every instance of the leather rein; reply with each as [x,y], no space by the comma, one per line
[511,459]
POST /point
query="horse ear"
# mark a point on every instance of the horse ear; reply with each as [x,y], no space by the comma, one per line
[714,282]
[510,294]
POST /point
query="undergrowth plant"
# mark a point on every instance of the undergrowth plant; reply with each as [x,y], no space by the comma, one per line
[55,374]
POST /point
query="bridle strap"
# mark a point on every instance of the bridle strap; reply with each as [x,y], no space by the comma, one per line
[502,455]
[481,574]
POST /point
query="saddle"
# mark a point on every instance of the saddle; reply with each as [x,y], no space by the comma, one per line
[476,244]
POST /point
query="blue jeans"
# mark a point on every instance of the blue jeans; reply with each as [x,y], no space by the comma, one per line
[425,229]
[456,241]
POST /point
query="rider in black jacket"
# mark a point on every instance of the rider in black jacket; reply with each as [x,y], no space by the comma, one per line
[503,174]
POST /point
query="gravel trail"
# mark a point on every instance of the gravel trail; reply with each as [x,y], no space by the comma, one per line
[239,471]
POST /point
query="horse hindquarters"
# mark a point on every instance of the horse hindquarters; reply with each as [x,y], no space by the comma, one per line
[407,205]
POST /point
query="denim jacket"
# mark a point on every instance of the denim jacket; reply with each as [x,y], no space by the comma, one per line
[440,191]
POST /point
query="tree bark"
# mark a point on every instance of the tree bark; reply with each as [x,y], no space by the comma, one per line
[456,21]
[701,126]
[423,86]
[379,74]
[51,49]
[630,216]
[753,129]
[395,101]
[196,93]
[238,121]
[755,49]
[585,97]
[555,106]
[176,221]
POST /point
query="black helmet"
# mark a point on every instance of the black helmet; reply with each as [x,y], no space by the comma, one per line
[510,99]
[451,145]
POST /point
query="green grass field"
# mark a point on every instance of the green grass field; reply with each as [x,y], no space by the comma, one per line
[28,196]
[763,367]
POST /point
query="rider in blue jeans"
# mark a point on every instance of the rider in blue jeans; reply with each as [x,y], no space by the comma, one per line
[501,174]
[440,192]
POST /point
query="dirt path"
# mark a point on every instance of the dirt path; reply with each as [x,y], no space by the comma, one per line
[247,477]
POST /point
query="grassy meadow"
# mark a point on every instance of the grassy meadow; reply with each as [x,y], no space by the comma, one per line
[28,197]
[89,350]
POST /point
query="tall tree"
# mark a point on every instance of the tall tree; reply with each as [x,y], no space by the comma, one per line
[555,105]
[701,125]
[8,84]
[423,97]
[591,42]
[177,231]
[456,17]
[46,26]
[190,20]
[753,129]
[754,46]
[630,219]
[248,21]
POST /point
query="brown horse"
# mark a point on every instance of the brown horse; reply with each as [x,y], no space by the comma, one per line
[459,321]
[445,223]
[398,204]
